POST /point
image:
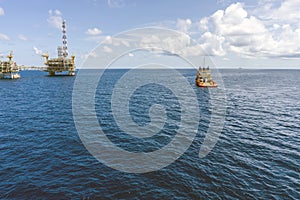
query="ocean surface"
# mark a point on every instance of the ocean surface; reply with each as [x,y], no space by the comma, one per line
[257,155]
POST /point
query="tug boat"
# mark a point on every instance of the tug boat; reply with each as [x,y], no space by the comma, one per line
[204,79]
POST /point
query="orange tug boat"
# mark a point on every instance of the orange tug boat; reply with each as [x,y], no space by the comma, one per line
[204,79]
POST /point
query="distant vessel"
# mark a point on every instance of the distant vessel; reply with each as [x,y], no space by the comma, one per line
[62,63]
[9,69]
[203,77]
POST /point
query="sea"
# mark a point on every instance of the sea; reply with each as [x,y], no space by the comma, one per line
[256,154]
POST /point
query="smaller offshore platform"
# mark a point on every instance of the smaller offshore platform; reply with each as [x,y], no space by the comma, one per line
[9,69]
[62,63]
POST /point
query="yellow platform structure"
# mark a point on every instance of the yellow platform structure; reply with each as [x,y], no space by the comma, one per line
[9,69]
[60,64]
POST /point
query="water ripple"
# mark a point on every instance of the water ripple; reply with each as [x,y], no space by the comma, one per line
[256,157]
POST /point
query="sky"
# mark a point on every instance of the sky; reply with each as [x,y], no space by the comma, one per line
[247,34]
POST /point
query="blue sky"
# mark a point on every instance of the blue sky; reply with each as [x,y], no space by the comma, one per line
[250,34]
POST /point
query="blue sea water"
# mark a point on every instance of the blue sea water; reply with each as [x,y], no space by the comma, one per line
[256,157]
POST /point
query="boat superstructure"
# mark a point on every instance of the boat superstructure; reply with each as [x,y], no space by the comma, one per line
[204,79]
[62,63]
[9,69]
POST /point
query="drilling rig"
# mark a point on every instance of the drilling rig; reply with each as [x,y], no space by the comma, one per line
[62,63]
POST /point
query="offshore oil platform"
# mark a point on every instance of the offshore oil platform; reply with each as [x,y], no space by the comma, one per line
[9,69]
[62,63]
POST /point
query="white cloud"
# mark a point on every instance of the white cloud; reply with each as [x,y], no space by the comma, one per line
[55,18]
[107,49]
[37,51]
[4,37]
[23,37]
[108,39]
[1,11]
[116,3]
[57,12]
[286,11]
[203,24]
[193,50]
[241,33]
[174,44]
[130,54]
[97,38]
[93,31]
[223,2]
[235,30]
[115,41]
[91,54]
[212,44]
[282,20]
[276,26]
[183,25]
[125,42]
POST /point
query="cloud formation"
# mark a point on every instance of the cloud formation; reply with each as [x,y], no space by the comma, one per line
[116,3]
[91,54]
[266,31]
[93,31]
[4,37]
[183,25]
[23,37]
[107,49]
[1,11]
[37,51]
[55,18]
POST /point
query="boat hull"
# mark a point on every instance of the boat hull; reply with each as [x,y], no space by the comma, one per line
[206,85]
